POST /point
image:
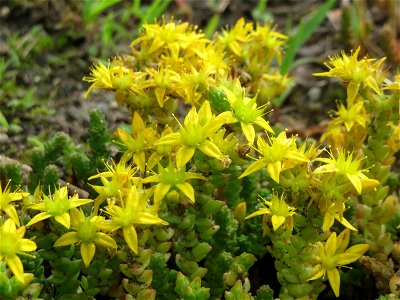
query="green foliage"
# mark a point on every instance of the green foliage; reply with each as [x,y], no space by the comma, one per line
[194,229]
[304,31]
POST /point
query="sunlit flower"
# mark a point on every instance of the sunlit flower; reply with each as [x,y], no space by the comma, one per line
[279,155]
[171,177]
[194,134]
[13,243]
[138,141]
[236,36]
[57,206]
[244,111]
[355,72]
[333,254]
[278,210]
[345,165]
[6,197]
[86,233]
[133,210]
[100,77]
[352,115]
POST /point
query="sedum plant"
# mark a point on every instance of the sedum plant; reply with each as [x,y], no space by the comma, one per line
[176,214]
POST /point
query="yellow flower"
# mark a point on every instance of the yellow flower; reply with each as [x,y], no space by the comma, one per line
[280,155]
[141,139]
[57,206]
[345,165]
[234,38]
[198,128]
[334,211]
[355,72]
[6,197]
[133,211]
[244,111]
[279,210]
[13,243]
[333,254]
[100,77]
[353,114]
[171,177]
[86,234]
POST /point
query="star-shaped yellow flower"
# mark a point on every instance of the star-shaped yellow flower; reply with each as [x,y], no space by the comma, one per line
[6,197]
[57,206]
[279,155]
[345,165]
[244,111]
[171,177]
[134,210]
[198,128]
[13,243]
[86,233]
[279,211]
[333,254]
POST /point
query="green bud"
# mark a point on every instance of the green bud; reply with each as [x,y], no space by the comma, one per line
[147,294]
[230,278]
[200,251]
[145,256]
[212,206]
[299,290]
[173,197]
[206,235]
[218,100]
[105,273]
[84,282]
[246,259]
[187,222]
[163,234]
[164,247]
[181,283]
[146,277]
[289,275]
[203,224]
[32,291]
[240,211]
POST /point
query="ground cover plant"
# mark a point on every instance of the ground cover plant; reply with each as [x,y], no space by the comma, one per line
[206,199]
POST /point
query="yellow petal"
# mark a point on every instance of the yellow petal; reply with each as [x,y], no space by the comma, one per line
[352,91]
[355,180]
[16,267]
[183,155]
[67,239]
[249,132]
[39,217]
[277,221]
[261,211]
[147,218]
[274,170]
[26,245]
[137,125]
[334,280]
[87,252]
[131,238]
[79,202]
[140,160]
[104,240]
[187,189]
[263,124]
[160,191]
[12,213]
[63,219]
[210,149]
[254,167]
[9,226]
